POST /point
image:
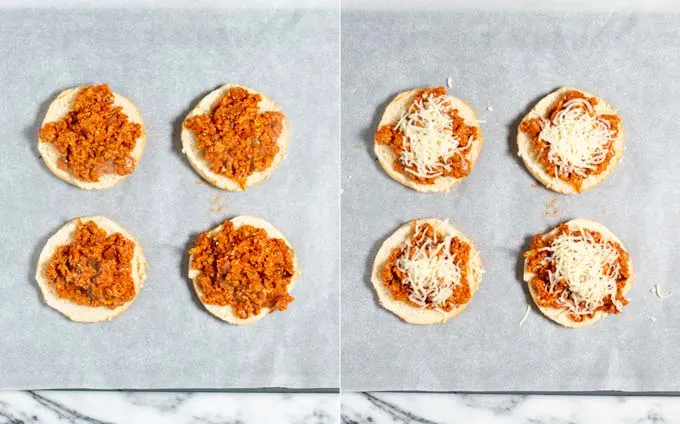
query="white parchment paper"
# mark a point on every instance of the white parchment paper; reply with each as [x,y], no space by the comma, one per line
[165,61]
[501,64]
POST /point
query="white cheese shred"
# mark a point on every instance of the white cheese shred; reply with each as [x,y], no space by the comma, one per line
[429,141]
[449,82]
[651,318]
[657,291]
[577,138]
[431,271]
[590,268]
[525,316]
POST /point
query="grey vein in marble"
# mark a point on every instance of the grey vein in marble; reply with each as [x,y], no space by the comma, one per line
[64,413]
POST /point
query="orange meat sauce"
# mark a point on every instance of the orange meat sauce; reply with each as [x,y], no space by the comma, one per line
[95,269]
[459,164]
[95,137]
[393,278]
[243,268]
[537,264]
[236,138]
[532,127]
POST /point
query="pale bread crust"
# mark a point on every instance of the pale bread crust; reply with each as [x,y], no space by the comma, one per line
[524,145]
[226,313]
[50,155]
[393,112]
[203,167]
[412,314]
[560,315]
[81,313]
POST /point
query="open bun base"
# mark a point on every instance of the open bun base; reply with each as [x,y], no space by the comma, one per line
[50,155]
[202,166]
[226,313]
[525,143]
[394,111]
[75,311]
[409,313]
[560,315]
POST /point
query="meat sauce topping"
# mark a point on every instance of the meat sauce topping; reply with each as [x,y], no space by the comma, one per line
[457,166]
[235,138]
[533,126]
[95,269]
[425,234]
[95,137]
[243,268]
[542,268]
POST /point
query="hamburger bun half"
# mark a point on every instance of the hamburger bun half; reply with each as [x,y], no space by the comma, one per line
[393,113]
[74,311]
[525,144]
[202,166]
[404,310]
[226,313]
[62,105]
[561,315]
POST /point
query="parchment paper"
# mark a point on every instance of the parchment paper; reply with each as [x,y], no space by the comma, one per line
[165,61]
[501,64]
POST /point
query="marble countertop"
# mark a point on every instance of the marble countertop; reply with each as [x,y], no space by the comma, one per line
[440,408]
[74,407]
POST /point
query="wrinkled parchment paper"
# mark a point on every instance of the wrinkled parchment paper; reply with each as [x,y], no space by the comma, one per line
[165,61]
[501,64]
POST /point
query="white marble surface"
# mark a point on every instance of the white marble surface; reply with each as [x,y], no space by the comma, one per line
[441,408]
[68,407]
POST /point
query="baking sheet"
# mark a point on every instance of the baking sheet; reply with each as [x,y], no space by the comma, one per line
[165,60]
[501,64]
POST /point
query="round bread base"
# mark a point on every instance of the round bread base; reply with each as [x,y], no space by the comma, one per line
[74,311]
[393,113]
[561,315]
[524,146]
[226,313]
[405,311]
[202,166]
[50,155]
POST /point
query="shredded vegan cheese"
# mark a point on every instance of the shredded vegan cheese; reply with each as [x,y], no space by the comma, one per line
[590,268]
[525,316]
[578,140]
[657,291]
[429,141]
[431,270]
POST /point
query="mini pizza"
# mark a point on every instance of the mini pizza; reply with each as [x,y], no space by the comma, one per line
[91,269]
[235,137]
[578,273]
[428,140]
[91,137]
[243,269]
[426,272]
[571,140]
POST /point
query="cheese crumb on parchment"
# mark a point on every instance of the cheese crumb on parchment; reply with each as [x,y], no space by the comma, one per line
[657,291]
[525,316]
